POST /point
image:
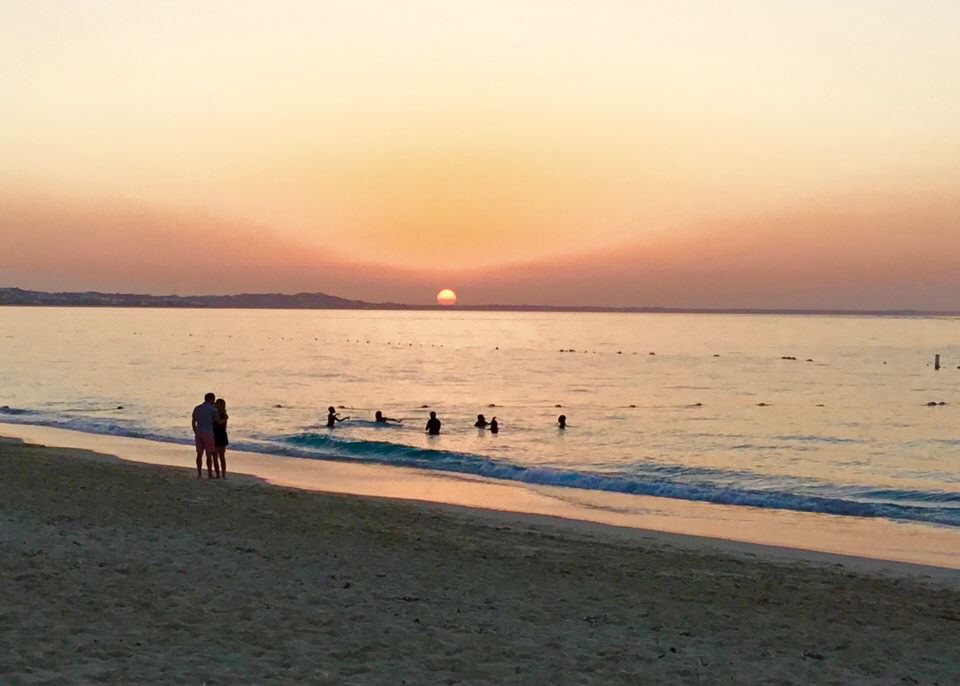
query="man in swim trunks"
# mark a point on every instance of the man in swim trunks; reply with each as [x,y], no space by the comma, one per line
[204,415]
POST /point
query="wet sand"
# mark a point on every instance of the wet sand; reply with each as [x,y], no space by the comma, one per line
[117,572]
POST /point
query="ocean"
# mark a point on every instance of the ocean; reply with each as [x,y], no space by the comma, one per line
[835,414]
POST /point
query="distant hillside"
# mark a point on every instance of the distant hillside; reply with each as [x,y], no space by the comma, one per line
[18,296]
[322,301]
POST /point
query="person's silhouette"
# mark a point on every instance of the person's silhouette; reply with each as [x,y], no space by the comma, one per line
[562,421]
[333,417]
[204,416]
[481,423]
[380,419]
[494,426]
[433,425]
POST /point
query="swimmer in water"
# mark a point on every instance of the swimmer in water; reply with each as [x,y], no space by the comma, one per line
[494,426]
[333,417]
[433,425]
[380,419]
[562,421]
[481,423]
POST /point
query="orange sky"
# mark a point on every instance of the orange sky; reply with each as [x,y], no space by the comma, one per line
[766,154]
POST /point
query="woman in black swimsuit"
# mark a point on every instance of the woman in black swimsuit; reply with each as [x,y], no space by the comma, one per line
[220,437]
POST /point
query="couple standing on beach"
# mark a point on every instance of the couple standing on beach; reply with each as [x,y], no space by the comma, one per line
[210,435]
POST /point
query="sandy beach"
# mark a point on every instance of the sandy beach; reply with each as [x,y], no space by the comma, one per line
[123,573]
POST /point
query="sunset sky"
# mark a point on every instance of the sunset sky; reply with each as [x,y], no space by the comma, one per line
[751,153]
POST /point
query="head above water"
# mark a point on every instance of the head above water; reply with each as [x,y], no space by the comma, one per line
[210,397]
[378,414]
[479,417]
[562,420]
[331,410]
[433,415]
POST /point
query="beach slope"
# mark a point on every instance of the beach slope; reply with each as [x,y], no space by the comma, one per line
[122,573]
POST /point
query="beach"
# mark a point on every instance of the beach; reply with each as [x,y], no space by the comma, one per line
[125,572]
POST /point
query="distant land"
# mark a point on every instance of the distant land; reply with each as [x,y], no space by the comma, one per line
[322,301]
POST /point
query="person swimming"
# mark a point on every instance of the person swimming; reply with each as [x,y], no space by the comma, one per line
[433,425]
[380,419]
[481,423]
[333,417]
[494,426]
[562,421]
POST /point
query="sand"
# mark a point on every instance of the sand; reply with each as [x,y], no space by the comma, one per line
[130,573]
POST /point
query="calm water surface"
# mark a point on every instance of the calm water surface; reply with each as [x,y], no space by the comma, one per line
[700,407]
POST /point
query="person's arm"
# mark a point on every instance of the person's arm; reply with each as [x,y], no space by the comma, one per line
[193,423]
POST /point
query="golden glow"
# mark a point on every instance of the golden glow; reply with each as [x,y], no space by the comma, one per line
[431,140]
[446,296]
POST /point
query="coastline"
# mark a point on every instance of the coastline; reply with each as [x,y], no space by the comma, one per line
[870,545]
[18,297]
[123,572]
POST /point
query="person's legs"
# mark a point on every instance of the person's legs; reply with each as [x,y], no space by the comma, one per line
[205,444]
[222,454]
[199,444]
[212,462]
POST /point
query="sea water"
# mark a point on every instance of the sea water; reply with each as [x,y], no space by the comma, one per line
[811,413]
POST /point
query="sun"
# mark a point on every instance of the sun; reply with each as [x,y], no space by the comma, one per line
[446,296]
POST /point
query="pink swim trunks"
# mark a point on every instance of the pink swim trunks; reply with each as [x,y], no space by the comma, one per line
[205,441]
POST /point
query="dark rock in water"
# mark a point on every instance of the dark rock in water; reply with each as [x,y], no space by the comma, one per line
[633,406]
[820,405]
[809,360]
[932,403]
[698,405]
[619,352]
[558,405]
[119,407]
[941,403]
[716,355]
[423,407]
[651,353]
[761,405]
[492,405]
[787,357]
[278,405]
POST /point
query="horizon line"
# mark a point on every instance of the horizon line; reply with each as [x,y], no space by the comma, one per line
[19,297]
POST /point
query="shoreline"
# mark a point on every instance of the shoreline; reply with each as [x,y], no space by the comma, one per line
[869,545]
[18,297]
[123,572]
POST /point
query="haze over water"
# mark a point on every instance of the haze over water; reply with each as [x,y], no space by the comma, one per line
[715,414]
